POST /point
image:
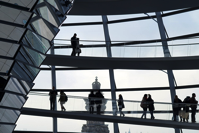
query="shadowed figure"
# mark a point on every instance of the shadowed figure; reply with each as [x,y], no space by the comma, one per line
[144,105]
[193,107]
[176,107]
[53,94]
[63,98]
[121,104]
[150,104]
[73,44]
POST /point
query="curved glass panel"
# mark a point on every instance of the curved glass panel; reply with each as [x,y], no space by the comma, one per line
[9,116]
[35,41]
[11,100]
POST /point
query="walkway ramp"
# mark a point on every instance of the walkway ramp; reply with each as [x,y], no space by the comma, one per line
[169,63]
[106,118]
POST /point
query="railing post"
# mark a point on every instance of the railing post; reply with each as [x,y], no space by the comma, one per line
[53,75]
[111,72]
[166,54]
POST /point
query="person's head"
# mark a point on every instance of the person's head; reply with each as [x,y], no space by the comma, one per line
[149,96]
[98,91]
[145,95]
[120,95]
[176,97]
[193,95]
[92,92]
[61,91]
[75,35]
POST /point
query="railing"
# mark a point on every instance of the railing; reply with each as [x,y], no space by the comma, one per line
[125,49]
[163,111]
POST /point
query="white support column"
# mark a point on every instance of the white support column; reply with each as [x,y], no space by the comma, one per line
[167,54]
[111,72]
[53,75]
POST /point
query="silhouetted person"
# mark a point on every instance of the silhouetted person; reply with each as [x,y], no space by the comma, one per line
[53,94]
[150,104]
[186,109]
[98,101]
[63,98]
[176,107]
[91,98]
[144,105]
[77,50]
[74,44]
[193,107]
[121,104]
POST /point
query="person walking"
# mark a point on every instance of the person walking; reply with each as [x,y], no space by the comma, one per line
[194,103]
[98,101]
[150,104]
[144,105]
[176,107]
[91,98]
[63,98]
[121,104]
[74,44]
[53,94]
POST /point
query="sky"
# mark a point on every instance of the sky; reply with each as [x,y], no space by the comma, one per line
[176,25]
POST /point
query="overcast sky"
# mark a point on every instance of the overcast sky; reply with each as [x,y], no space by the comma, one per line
[181,24]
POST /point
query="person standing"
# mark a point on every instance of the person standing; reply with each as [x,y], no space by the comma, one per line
[194,103]
[98,101]
[176,107]
[121,104]
[77,50]
[91,98]
[74,44]
[185,114]
[150,104]
[53,94]
[144,105]
[63,98]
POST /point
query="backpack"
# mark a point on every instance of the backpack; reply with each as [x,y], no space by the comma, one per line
[66,98]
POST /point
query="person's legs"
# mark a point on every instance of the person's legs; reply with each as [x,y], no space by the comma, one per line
[175,114]
[73,52]
[145,109]
[53,104]
[152,117]
[62,106]
[193,113]
[120,111]
[144,113]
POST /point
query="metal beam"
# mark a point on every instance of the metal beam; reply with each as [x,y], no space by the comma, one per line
[120,89]
[53,76]
[131,19]
[14,6]
[11,24]
[159,63]
[167,54]
[106,118]
[111,72]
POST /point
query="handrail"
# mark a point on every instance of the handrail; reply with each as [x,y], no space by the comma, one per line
[86,98]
